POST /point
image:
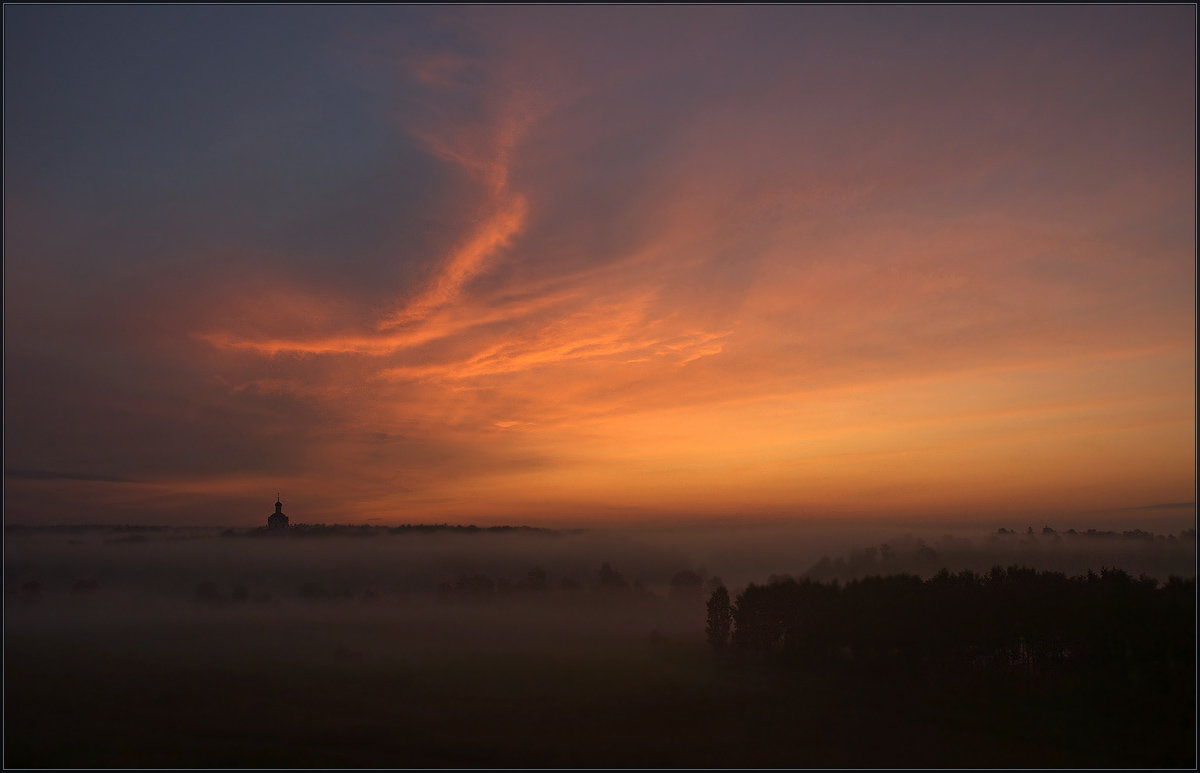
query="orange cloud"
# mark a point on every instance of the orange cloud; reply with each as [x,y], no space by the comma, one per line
[465,262]
[767,312]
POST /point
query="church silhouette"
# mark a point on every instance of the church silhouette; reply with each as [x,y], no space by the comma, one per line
[277,521]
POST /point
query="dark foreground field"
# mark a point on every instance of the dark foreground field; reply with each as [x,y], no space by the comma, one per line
[180,649]
[440,685]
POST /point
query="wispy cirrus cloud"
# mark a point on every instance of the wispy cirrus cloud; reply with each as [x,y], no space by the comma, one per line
[568,323]
[506,258]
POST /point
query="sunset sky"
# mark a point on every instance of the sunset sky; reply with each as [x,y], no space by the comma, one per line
[598,265]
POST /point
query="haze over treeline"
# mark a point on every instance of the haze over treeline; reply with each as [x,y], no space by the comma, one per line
[457,648]
[170,561]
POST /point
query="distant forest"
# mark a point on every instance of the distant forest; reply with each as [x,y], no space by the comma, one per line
[1097,670]
[368,530]
[1012,618]
[1072,552]
[299,529]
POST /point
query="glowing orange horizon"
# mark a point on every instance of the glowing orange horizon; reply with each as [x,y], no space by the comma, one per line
[833,294]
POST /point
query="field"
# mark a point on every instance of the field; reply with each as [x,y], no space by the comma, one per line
[148,670]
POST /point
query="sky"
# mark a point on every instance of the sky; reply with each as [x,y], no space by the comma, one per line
[603,264]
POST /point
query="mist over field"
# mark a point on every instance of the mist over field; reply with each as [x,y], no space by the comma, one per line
[443,646]
[167,562]
[629,581]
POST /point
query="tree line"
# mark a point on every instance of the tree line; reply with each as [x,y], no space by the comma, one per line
[1070,551]
[1009,617]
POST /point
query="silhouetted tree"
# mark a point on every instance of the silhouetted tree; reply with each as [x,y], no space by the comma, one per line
[720,619]
[1013,618]
[758,619]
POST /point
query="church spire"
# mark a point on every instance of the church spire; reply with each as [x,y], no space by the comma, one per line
[277,520]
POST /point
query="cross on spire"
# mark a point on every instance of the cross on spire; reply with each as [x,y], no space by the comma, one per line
[277,520]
